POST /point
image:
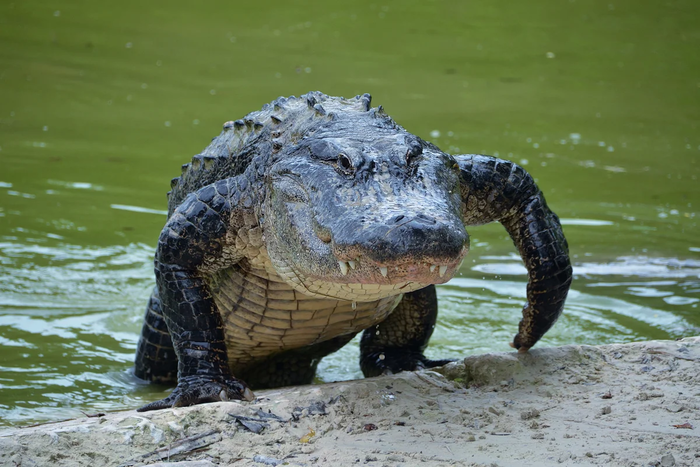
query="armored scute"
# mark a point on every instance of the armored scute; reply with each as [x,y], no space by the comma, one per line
[317,218]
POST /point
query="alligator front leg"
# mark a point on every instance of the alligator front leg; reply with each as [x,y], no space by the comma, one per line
[195,239]
[397,343]
[497,190]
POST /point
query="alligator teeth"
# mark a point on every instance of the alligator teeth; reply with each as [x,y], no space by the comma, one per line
[432,267]
[352,264]
[343,267]
[442,270]
[384,271]
[459,266]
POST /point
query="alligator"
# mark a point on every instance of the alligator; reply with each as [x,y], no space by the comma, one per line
[312,220]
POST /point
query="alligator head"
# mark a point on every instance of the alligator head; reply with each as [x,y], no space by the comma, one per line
[359,209]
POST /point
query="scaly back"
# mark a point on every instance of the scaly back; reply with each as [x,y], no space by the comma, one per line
[281,122]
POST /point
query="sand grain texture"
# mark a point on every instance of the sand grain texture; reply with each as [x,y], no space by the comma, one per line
[621,405]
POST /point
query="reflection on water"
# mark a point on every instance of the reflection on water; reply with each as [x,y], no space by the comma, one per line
[68,327]
[124,207]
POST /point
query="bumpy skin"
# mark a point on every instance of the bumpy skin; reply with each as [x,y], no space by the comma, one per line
[312,220]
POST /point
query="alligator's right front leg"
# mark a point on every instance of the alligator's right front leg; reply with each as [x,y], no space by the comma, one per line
[195,238]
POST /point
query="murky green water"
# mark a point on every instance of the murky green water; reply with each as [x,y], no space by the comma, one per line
[100,103]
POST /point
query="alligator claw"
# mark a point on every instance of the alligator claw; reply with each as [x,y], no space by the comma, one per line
[389,362]
[192,390]
[518,345]
[519,349]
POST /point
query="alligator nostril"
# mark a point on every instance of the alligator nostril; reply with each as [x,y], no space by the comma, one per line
[418,219]
[423,219]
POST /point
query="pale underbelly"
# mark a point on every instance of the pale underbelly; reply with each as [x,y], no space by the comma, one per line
[263,315]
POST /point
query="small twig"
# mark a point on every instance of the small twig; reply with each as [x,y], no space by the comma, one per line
[178,448]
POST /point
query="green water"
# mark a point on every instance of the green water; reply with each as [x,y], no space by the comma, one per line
[101,102]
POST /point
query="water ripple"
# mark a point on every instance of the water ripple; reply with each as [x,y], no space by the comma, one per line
[70,317]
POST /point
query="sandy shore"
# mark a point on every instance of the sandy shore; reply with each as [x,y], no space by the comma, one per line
[622,405]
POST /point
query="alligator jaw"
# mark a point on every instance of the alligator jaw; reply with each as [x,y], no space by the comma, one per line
[364,271]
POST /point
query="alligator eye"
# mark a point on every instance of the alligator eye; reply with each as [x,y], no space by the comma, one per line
[413,152]
[452,162]
[345,164]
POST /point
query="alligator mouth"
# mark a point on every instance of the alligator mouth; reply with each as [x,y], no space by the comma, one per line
[363,270]
[363,279]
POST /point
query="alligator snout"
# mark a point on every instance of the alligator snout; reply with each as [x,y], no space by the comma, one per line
[409,246]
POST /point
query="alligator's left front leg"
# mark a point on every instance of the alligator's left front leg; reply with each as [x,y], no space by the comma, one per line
[497,190]
[397,343]
[197,238]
